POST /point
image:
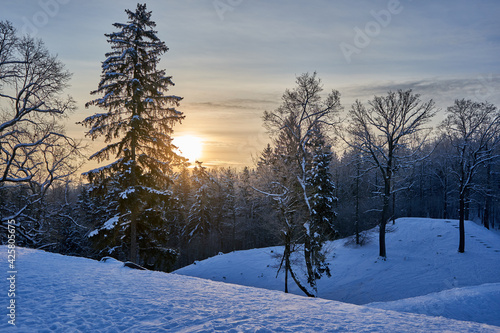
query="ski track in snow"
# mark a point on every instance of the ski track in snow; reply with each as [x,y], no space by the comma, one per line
[56,293]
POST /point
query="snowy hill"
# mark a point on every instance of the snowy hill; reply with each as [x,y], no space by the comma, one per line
[422,259]
[477,303]
[67,294]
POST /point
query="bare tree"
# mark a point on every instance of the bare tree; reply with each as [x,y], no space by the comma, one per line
[386,131]
[34,150]
[473,129]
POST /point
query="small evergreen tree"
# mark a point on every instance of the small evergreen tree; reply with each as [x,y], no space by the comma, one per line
[137,127]
[322,200]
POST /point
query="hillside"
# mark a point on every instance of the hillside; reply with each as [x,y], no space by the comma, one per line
[67,294]
[422,259]
[476,303]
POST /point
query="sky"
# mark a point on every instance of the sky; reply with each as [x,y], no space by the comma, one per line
[231,60]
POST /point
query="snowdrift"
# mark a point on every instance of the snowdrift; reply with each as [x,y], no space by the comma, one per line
[68,294]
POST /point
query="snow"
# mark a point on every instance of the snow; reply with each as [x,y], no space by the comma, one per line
[424,274]
[106,167]
[127,192]
[108,225]
[477,303]
[422,260]
[69,294]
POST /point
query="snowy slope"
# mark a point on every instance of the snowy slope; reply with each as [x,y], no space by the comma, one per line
[422,259]
[477,303]
[56,293]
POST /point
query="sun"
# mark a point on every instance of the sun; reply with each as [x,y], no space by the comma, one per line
[189,147]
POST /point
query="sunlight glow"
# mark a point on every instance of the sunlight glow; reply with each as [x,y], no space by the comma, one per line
[190,147]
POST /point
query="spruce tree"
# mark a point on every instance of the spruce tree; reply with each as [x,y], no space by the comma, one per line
[137,126]
[202,212]
[320,226]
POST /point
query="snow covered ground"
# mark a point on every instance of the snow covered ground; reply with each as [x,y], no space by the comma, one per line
[476,303]
[56,293]
[422,260]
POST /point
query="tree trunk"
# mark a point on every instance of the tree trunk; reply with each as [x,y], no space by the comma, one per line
[133,236]
[356,222]
[487,204]
[393,208]
[385,215]
[461,245]
[308,259]
[445,198]
[133,215]
[382,252]
[299,284]
[466,204]
[287,263]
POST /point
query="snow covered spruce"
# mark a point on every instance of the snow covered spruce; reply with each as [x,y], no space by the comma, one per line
[137,127]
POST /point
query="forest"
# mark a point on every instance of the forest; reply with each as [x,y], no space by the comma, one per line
[329,171]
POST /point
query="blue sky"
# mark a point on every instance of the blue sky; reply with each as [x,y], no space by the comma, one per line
[233,59]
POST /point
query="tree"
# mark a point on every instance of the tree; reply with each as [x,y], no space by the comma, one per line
[35,152]
[230,205]
[386,131]
[201,213]
[473,129]
[440,169]
[297,126]
[321,226]
[137,126]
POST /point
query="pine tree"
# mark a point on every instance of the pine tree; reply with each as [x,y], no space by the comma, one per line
[137,126]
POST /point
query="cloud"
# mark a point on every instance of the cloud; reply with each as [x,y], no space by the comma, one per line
[483,87]
[235,104]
